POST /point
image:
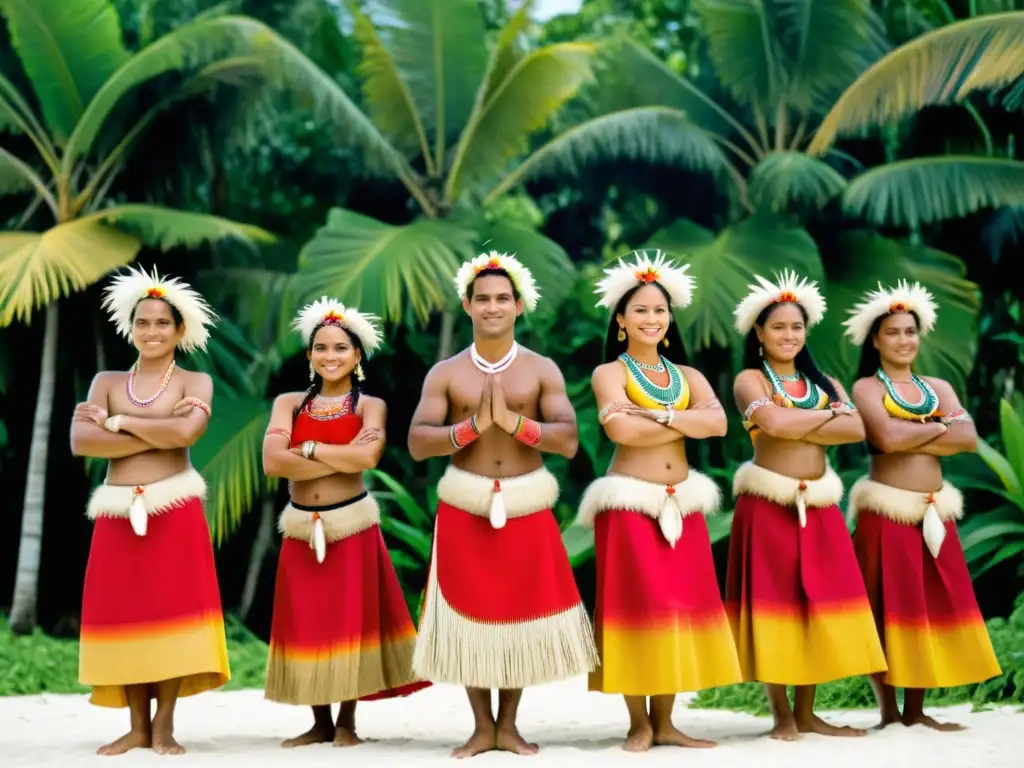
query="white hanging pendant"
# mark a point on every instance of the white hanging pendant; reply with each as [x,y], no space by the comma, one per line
[318,540]
[496,367]
[497,512]
[670,519]
[137,514]
[933,529]
[801,504]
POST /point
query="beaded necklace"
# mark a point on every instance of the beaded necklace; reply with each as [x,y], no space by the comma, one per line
[130,385]
[810,398]
[664,396]
[324,408]
[929,400]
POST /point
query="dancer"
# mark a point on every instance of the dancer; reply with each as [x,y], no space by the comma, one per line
[906,538]
[659,620]
[152,625]
[501,608]
[794,595]
[341,630]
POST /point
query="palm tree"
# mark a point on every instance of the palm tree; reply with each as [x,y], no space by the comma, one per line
[85,82]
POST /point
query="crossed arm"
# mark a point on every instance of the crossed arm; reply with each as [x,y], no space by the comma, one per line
[630,425]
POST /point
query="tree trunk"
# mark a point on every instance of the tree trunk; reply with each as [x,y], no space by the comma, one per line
[260,547]
[446,338]
[26,583]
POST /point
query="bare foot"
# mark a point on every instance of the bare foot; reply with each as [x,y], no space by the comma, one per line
[784,731]
[670,736]
[163,738]
[131,740]
[639,738]
[345,737]
[931,722]
[482,740]
[509,740]
[888,720]
[315,735]
[820,727]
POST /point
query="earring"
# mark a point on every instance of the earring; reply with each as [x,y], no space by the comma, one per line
[665,341]
[310,370]
[359,372]
[760,350]
[622,334]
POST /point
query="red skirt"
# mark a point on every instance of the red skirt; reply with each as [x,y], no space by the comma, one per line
[151,607]
[795,597]
[925,609]
[341,629]
[501,608]
[659,621]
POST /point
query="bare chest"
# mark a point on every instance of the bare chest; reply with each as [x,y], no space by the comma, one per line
[521,391]
[118,400]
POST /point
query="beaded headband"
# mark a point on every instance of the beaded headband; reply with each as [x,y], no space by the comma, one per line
[903,298]
[620,280]
[788,288]
[127,289]
[327,311]
[510,265]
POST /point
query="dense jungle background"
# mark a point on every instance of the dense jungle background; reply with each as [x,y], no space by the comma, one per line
[271,151]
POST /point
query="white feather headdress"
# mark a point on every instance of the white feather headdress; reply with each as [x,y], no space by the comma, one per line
[327,311]
[789,287]
[620,280]
[903,298]
[510,265]
[133,285]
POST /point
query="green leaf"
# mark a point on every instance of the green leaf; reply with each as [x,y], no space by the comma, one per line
[229,456]
[579,544]
[1012,431]
[418,541]
[862,261]
[68,49]
[742,49]
[719,526]
[1001,467]
[547,260]
[787,181]
[928,189]
[16,176]
[724,268]
[1005,552]
[382,268]
[414,513]
[166,228]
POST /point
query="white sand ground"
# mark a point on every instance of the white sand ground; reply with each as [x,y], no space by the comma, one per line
[573,727]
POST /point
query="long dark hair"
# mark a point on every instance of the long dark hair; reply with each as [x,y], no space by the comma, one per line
[803,361]
[870,359]
[318,381]
[675,351]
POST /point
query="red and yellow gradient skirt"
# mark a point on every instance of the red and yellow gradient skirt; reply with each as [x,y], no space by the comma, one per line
[794,593]
[501,607]
[341,629]
[151,607]
[925,609]
[659,621]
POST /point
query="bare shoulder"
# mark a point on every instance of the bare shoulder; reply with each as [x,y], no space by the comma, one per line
[543,365]
[372,403]
[690,372]
[749,377]
[289,400]
[106,378]
[444,370]
[941,386]
[866,385]
[195,378]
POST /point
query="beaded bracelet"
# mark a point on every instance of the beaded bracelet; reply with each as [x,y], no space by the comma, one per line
[527,431]
[956,416]
[113,424]
[195,402]
[309,449]
[755,405]
[463,433]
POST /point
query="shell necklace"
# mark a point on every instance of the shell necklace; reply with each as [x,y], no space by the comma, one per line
[500,365]
[149,400]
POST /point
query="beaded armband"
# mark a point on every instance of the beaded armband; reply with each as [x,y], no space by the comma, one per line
[956,416]
[760,403]
[195,402]
[463,433]
[279,431]
[527,431]
[840,404]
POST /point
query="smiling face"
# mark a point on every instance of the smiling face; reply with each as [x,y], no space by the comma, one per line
[155,329]
[646,316]
[333,354]
[493,307]
[784,333]
[897,340]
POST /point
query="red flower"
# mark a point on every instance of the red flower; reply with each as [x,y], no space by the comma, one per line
[156,293]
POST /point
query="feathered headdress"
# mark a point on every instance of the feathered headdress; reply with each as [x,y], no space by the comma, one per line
[903,298]
[789,287]
[127,289]
[510,265]
[620,280]
[327,311]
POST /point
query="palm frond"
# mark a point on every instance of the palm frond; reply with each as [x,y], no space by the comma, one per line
[237,365]
[16,176]
[742,49]
[166,228]
[506,53]
[263,302]
[785,181]
[382,268]
[923,190]
[647,134]
[530,95]
[68,50]
[940,67]
[37,269]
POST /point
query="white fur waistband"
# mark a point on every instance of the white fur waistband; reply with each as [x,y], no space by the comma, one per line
[158,496]
[339,523]
[758,481]
[697,493]
[522,495]
[903,506]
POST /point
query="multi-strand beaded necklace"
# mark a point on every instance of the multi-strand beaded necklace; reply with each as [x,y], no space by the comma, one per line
[811,399]
[666,396]
[164,382]
[929,400]
[324,408]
